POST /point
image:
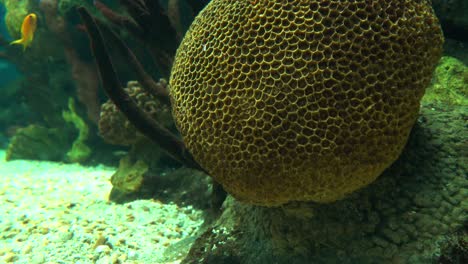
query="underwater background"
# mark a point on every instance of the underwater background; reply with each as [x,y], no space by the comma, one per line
[87,177]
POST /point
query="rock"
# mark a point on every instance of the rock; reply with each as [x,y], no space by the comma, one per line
[449,84]
[403,215]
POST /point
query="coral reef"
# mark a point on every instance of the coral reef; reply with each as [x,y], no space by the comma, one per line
[142,172]
[408,214]
[151,25]
[42,87]
[450,83]
[146,173]
[129,176]
[302,100]
[37,143]
[411,214]
[11,113]
[83,73]
[15,13]
[115,128]
[79,151]
[161,135]
[54,69]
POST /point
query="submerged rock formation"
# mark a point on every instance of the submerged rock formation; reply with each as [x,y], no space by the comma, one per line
[410,214]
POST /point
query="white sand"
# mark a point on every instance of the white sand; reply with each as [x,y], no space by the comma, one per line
[59,213]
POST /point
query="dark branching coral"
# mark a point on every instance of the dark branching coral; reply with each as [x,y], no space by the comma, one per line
[302,100]
[111,84]
[150,23]
[115,128]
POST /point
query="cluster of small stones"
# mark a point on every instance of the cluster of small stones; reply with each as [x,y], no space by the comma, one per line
[411,214]
[115,128]
[302,100]
[59,213]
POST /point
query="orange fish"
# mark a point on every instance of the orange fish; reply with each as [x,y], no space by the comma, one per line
[27,31]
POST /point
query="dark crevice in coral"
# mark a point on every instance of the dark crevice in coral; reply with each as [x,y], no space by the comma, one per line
[146,81]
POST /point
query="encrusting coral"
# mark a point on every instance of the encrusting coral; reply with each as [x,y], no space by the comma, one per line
[450,84]
[83,73]
[49,75]
[302,100]
[410,214]
[16,11]
[115,128]
[36,142]
[129,177]
[79,151]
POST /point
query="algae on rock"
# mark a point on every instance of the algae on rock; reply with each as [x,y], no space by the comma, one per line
[129,176]
[15,13]
[36,142]
[411,214]
[450,83]
[79,151]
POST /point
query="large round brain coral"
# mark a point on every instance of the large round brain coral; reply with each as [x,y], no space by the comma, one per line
[302,100]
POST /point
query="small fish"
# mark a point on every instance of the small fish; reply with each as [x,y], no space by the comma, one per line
[27,31]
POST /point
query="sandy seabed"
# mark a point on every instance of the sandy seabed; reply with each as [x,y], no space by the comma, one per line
[59,213]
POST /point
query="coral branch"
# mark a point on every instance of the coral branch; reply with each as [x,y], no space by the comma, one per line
[119,20]
[143,77]
[87,83]
[150,25]
[146,125]
[85,75]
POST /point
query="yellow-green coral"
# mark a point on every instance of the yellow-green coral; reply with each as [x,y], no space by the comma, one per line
[450,83]
[16,10]
[129,177]
[36,142]
[79,151]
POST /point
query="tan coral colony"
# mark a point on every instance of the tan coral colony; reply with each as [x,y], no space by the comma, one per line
[302,100]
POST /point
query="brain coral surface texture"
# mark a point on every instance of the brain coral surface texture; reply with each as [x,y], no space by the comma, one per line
[302,100]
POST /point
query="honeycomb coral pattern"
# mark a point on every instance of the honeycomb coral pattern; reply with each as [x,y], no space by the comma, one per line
[302,100]
[115,128]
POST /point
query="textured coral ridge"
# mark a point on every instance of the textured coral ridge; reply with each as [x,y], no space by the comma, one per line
[115,128]
[302,100]
[410,214]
